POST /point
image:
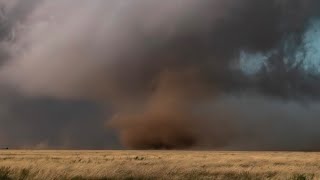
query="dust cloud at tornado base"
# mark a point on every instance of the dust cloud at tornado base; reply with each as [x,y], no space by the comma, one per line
[166,74]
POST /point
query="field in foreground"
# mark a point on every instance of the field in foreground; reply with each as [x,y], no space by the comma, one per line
[78,165]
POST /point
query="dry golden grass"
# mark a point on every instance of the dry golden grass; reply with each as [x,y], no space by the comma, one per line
[78,165]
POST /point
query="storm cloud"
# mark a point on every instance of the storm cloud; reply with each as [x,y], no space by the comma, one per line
[170,74]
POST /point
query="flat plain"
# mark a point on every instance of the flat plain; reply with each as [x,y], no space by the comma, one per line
[104,165]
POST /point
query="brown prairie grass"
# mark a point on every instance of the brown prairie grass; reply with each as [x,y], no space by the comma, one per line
[131,165]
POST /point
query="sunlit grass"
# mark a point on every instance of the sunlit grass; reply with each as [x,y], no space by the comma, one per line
[104,165]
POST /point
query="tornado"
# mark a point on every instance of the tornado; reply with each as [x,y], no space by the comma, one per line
[171,74]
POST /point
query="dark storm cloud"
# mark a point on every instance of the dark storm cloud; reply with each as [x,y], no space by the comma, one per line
[157,62]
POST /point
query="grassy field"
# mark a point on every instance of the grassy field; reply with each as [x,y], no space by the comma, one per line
[78,165]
